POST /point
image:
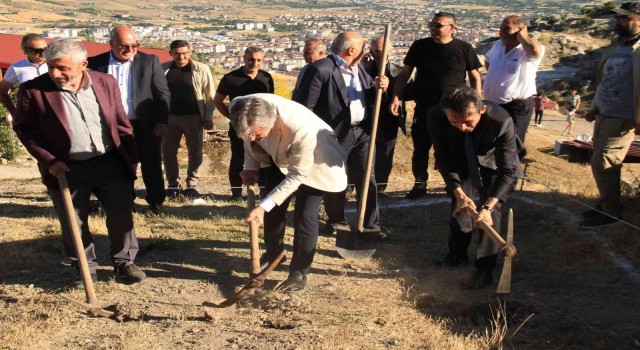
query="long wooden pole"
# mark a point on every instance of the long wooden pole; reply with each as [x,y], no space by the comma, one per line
[374,131]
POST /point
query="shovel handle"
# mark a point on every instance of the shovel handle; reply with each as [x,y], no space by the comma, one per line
[487,228]
[77,238]
[374,132]
[253,230]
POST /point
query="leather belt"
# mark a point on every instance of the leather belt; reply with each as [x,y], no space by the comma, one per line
[96,159]
[518,100]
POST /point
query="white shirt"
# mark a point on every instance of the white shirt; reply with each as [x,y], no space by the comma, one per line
[355,94]
[122,72]
[511,75]
[24,70]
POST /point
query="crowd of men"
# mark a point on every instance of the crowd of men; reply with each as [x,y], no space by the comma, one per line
[96,118]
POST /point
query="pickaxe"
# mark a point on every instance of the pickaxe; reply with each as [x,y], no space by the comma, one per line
[507,247]
[92,304]
[257,275]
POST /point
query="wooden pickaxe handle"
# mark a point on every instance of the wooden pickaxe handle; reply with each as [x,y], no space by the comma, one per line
[487,228]
[77,239]
[253,230]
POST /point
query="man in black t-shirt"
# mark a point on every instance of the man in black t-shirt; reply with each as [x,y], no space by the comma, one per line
[246,80]
[441,63]
[191,111]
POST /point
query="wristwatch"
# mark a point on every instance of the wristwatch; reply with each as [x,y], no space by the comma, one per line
[486,207]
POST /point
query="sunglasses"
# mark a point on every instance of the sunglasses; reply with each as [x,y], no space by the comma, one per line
[621,17]
[37,51]
[437,25]
[130,47]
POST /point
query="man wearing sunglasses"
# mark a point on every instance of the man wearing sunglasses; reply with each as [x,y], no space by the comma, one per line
[34,65]
[146,98]
[442,63]
[616,111]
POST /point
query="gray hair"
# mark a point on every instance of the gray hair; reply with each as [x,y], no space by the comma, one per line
[252,49]
[340,45]
[251,111]
[460,100]
[320,45]
[65,48]
[517,20]
[28,39]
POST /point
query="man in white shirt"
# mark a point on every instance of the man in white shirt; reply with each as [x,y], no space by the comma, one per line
[512,63]
[33,46]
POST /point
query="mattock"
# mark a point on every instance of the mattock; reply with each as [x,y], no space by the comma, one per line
[257,276]
[507,248]
[92,305]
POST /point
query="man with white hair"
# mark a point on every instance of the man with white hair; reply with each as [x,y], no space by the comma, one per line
[302,157]
[340,91]
[72,120]
[314,49]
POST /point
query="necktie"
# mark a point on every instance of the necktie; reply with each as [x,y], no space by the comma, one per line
[472,160]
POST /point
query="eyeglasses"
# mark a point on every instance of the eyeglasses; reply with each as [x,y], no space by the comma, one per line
[38,51]
[437,25]
[130,47]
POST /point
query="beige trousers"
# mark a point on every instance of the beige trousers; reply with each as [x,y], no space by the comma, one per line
[191,127]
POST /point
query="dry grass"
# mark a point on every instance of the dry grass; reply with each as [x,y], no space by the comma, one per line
[563,279]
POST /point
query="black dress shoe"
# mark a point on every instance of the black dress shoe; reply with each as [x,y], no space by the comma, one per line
[78,282]
[329,230]
[294,283]
[267,259]
[592,212]
[416,192]
[129,273]
[479,280]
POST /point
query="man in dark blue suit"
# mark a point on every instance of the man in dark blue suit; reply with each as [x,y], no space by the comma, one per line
[146,98]
[340,91]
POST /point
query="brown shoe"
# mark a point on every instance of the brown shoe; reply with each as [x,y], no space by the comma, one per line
[129,274]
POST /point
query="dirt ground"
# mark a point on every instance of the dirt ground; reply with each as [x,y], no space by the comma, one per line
[571,288]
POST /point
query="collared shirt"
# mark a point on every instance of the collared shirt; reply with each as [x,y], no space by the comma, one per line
[122,72]
[88,132]
[24,70]
[511,75]
[355,93]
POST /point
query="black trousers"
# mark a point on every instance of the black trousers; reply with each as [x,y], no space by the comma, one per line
[521,112]
[106,177]
[150,153]
[385,147]
[459,240]
[236,164]
[421,144]
[305,222]
[356,144]
[538,119]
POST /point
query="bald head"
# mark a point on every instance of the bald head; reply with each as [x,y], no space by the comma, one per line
[123,42]
[376,47]
[349,46]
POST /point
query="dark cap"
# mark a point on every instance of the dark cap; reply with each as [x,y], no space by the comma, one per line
[628,8]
